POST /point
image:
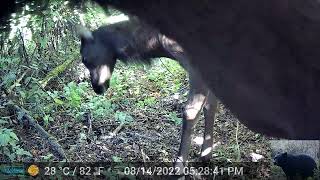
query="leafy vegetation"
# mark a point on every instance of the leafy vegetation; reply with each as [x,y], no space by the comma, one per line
[9,145]
[38,44]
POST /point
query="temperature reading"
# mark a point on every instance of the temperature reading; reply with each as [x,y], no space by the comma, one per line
[85,171]
[50,171]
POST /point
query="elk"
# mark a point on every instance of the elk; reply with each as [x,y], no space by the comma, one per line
[132,41]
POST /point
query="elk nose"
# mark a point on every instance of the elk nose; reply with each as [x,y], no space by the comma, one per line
[98,91]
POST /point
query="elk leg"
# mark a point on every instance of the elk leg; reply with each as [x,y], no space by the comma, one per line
[209,111]
[191,112]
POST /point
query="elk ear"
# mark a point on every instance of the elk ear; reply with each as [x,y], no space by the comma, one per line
[84,33]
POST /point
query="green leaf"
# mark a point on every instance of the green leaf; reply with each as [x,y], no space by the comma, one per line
[43,42]
[22,94]
[123,117]
[19,151]
[82,137]
[27,80]
[58,101]
[46,119]
[4,139]
[8,79]
[3,121]
[48,156]
[116,159]
[11,156]
[13,143]
[173,117]
[13,135]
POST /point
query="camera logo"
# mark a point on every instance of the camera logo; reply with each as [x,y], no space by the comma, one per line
[33,170]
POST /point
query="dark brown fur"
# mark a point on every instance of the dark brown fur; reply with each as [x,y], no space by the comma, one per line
[261,58]
[132,41]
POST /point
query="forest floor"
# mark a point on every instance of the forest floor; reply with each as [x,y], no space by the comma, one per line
[146,121]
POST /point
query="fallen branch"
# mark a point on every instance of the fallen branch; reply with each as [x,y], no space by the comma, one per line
[115,132]
[55,72]
[29,121]
[144,156]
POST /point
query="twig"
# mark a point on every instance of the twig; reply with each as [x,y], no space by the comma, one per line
[64,138]
[142,136]
[29,121]
[90,125]
[25,54]
[79,157]
[115,132]
[167,68]
[144,156]
[17,81]
[237,142]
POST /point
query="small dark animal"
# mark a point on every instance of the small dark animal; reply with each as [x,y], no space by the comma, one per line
[295,166]
[132,41]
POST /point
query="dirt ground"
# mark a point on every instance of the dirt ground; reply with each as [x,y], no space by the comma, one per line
[150,137]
